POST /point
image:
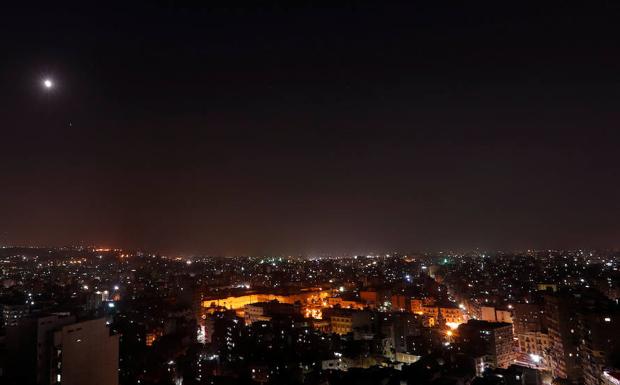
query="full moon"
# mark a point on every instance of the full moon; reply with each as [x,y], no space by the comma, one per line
[48,83]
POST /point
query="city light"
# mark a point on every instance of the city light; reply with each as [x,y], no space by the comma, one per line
[249,303]
[307,193]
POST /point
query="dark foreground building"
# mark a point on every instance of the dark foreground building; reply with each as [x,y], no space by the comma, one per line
[55,349]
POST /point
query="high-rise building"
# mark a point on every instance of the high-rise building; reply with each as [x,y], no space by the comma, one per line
[584,334]
[28,346]
[531,333]
[562,325]
[599,341]
[227,330]
[54,349]
[493,342]
[85,353]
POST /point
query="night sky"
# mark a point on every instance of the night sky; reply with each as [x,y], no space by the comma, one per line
[314,128]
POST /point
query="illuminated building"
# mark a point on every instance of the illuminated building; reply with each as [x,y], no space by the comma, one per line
[452,315]
[416,306]
[533,340]
[343,303]
[503,316]
[535,347]
[313,312]
[611,378]
[547,287]
[152,336]
[321,325]
[491,314]
[311,298]
[406,358]
[449,315]
[342,323]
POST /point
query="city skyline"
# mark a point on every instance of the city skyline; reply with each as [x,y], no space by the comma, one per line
[109,317]
[345,192]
